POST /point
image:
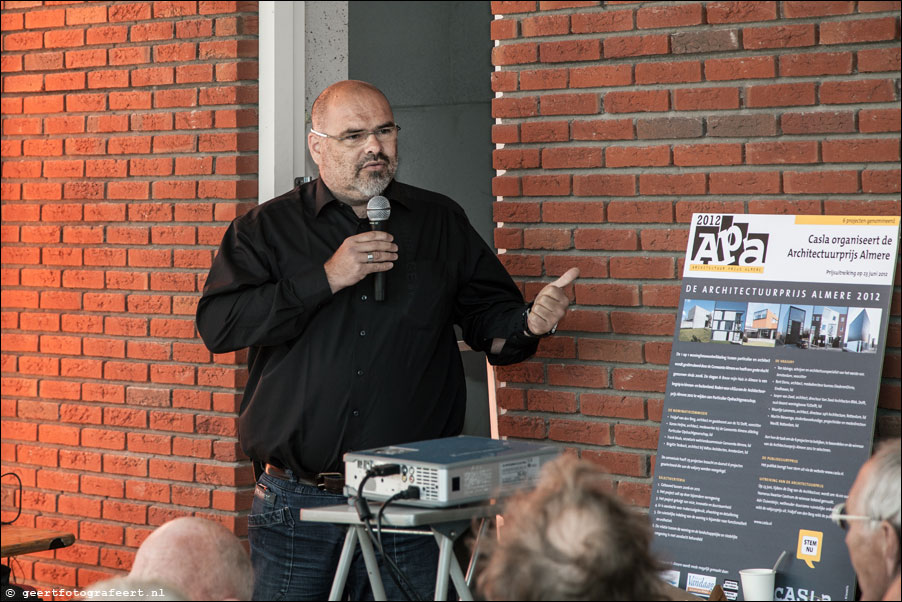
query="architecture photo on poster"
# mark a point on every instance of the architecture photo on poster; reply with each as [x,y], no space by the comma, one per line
[771,398]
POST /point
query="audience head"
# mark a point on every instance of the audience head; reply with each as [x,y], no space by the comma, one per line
[130,588]
[572,539]
[199,557]
[874,544]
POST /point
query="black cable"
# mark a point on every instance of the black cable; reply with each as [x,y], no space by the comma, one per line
[366,515]
[19,509]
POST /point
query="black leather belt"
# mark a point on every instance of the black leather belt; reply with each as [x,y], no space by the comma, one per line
[330,482]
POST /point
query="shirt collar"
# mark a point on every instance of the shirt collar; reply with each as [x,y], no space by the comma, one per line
[323,196]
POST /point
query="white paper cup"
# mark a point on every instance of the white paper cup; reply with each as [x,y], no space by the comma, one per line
[757,584]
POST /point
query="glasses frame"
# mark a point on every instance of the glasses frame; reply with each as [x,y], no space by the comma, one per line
[364,133]
[840,518]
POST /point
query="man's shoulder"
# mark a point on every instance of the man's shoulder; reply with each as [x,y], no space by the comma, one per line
[274,208]
[429,199]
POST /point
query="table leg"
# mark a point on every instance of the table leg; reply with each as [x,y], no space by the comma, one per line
[344,565]
[445,555]
[460,582]
[372,565]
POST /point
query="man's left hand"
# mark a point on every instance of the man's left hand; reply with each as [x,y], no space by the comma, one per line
[550,304]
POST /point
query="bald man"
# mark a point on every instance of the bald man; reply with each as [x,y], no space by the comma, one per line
[333,368]
[871,518]
[198,557]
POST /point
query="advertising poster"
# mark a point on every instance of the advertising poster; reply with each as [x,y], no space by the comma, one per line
[771,398]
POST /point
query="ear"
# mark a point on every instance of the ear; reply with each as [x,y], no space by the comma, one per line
[313,143]
[889,541]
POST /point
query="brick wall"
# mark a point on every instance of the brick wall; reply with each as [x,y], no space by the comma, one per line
[129,143]
[616,121]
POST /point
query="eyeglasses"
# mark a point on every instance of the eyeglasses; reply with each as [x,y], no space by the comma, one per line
[384,134]
[841,519]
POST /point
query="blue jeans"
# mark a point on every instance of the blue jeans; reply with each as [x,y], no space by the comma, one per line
[295,560]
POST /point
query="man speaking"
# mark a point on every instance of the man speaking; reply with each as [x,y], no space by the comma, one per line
[331,369]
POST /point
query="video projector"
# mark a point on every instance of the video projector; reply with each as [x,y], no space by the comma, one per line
[449,471]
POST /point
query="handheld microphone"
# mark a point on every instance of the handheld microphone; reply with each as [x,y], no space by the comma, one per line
[378,209]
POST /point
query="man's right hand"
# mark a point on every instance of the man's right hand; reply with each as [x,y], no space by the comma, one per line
[350,263]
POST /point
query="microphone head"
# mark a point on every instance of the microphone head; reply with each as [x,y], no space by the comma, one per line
[378,209]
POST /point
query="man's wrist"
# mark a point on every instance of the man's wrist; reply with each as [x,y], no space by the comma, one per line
[528,332]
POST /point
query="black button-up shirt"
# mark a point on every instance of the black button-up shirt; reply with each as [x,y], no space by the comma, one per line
[334,373]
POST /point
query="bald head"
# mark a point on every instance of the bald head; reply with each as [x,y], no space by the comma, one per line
[353,142]
[341,93]
[199,557]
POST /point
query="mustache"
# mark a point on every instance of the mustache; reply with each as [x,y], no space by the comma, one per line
[373,157]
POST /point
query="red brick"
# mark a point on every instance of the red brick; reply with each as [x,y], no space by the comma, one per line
[503,29]
[672,184]
[516,158]
[879,59]
[823,8]
[781,95]
[103,438]
[781,36]
[673,16]
[507,7]
[610,350]
[571,157]
[634,465]
[602,22]
[542,79]
[604,185]
[504,81]
[515,54]
[707,154]
[580,431]
[881,181]
[569,51]
[861,91]
[641,101]
[612,406]
[505,133]
[752,67]
[858,151]
[64,38]
[744,183]
[634,435]
[740,12]
[794,207]
[572,212]
[642,323]
[832,182]
[546,185]
[529,427]
[700,99]
[764,153]
[608,129]
[668,73]
[818,123]
[648,45]
[545,25]
[547,238]
[858,31]
[605,239]
[600,75]
[574,375]
[816,63]
[503,186]
[150,443]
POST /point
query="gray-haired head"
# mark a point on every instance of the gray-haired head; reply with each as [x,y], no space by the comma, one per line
[200,557]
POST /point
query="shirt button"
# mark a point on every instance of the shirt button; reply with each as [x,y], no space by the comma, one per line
[363,333]
[355,413]
[363,297]
[360,373]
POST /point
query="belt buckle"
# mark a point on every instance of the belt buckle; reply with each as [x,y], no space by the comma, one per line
[325,481]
